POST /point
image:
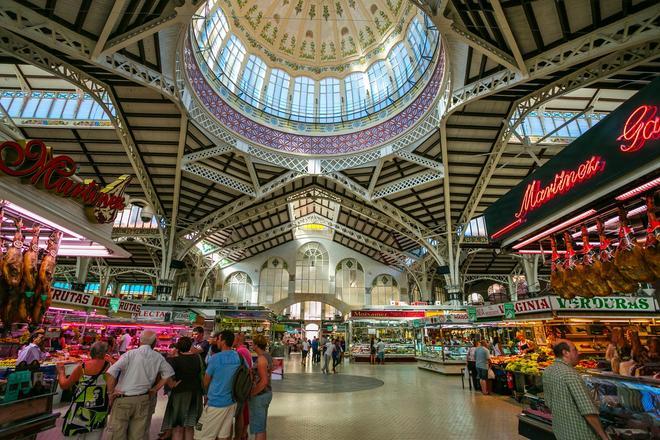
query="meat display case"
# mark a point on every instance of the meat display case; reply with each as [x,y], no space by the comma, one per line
[629,408]
[394,352]
[443,359]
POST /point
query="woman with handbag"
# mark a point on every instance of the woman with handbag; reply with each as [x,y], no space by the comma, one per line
[88,412]
[184,404]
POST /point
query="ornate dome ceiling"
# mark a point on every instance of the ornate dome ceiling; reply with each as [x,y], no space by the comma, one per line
[323,37]
[286,97]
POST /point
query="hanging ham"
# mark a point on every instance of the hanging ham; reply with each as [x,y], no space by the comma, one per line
[652,245]
[588,272]
[574,279]
[558,273]
[605,265]
[629,255]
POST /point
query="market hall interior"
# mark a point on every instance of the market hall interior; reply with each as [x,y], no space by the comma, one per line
[413,217]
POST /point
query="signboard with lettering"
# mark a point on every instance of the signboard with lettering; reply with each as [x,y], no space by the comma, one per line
[34,163]
[61,296]
[526,306]
[472,313]
[605,304]
[387,314]
[156,315]
[617,147]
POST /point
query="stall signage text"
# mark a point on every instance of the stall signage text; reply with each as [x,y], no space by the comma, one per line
[35,163]
[87,300]
[154,315]
[387,314]
[534,305]
[564,181]
[604,304]
[642,125]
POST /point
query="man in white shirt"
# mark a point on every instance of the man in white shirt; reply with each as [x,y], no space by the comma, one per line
[380,352]
[124,340]
[305,350]
[130,396]
[327,356]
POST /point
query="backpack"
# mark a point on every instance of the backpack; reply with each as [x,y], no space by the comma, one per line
[242,384]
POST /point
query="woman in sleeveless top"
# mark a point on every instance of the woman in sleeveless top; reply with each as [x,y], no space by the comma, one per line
[262,393]
[87,415]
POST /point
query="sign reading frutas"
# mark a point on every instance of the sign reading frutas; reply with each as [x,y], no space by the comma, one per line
[34,162]
[61,296]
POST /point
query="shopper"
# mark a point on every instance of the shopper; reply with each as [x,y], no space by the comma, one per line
[184,405]
[315,351]
[380,351]
[305,350]
[574,415]
[481,357]
[472,366]
[242,410]
[372,352]
[87,414]
[336,355]
[33,351]
[200,344]
[131,383]
[262,393]
[329,347]
[213,346]
[124,341]
[216,419]
[497,347]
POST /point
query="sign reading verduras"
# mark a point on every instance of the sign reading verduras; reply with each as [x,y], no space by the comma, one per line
[34,163]
[604,304]
[617,147]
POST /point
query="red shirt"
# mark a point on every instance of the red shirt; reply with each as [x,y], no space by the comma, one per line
[245,353]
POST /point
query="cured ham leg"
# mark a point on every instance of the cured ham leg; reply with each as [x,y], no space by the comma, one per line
[652,245]
[608,271]
[12,273]
[43,291]
[629,255]
[574,279]
[588,271]
[4,289]
[558,273]
[30,273]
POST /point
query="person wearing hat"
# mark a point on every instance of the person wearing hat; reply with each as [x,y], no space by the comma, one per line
[33,351]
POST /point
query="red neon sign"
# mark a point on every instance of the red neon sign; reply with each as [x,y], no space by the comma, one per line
[35,162]
[643,125]
[564,181]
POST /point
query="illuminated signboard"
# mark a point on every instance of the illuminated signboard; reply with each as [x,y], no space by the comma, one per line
[34,163]
[616,148]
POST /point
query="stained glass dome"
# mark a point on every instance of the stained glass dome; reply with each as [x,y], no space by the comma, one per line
[315,65]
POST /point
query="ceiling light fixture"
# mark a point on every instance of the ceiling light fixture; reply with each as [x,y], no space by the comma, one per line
[552,230]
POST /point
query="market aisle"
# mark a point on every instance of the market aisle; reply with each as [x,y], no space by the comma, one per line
[411,404]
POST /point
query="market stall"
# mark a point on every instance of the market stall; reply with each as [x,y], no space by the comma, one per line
[393,326]
[592,210]
[443,339]
[46,213]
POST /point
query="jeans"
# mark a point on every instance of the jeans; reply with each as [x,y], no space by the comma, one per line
[326,362]
[259,411]
[472,368]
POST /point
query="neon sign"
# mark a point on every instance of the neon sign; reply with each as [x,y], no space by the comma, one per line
[35,162]
[643,125]
[564,181]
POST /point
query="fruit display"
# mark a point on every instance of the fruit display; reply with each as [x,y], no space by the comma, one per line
[586,364]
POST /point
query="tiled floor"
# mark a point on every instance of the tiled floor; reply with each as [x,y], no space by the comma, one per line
[412,404]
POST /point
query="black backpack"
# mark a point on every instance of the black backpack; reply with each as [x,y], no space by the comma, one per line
[242,386]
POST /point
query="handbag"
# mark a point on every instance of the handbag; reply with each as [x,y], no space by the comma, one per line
[89,409]
[491,373]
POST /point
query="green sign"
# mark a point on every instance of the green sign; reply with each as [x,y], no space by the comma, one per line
[509,311]
[114,305]
[605,304]
[192,316]
[472,313]
[17,382]
[329,328]
[417,323]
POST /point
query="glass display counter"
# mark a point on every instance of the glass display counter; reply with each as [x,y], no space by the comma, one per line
[629,408]
[394,352]
[443,359]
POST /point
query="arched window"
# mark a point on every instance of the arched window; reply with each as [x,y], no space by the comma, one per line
[384,289]
[253,80]
[273,281]
[312,269]
[349,282]
[277,93]
[356,95]
[329,100]
[302,108]
[379,85]
[401,67]
[229,63]
[238,288]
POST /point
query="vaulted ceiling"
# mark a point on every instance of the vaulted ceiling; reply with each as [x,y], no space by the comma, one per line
[500,53]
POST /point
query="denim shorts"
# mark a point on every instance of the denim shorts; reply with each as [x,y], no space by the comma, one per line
[482,373]
[259,411]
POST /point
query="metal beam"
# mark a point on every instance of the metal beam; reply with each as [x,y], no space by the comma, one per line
[374,176]
[482,46]
[183,134]
[603,68]
[406,183]
[630,31]
[140,33]
[8,128]
[420,160]
[219,177]
[207,153]
[504,27]
[115,15]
